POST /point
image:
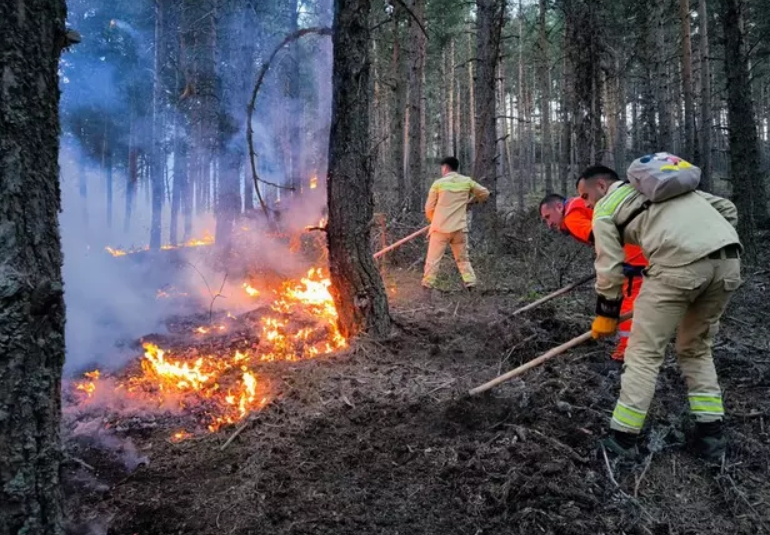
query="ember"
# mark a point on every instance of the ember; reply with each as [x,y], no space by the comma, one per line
[207,239]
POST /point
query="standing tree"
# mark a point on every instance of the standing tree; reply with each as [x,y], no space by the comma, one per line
[704,130]
[358,291]
[748,189]
[689,105]
[31,293]
[491,15]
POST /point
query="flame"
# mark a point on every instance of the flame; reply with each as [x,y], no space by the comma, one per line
[225,389]
[313,182]
[89,387]
[253,292]
[207,239]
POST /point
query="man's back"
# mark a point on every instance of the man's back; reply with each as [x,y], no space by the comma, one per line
[447,202]
[673,233]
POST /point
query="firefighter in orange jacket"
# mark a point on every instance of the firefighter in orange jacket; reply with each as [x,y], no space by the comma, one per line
[574,217]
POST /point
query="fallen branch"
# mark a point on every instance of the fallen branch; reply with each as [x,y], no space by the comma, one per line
[252,105]
[400,242]
[578,340]
[236,433]
[550,296]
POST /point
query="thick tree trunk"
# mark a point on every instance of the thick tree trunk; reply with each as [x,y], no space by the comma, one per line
[471,103]
[399,114]
[451,84]
[488,33]
[585,62]
[662,80]
[704,130]
[748,187]
[415,154]
[545,99]
[31,291]
[358,291]
[521,137]
[689,106]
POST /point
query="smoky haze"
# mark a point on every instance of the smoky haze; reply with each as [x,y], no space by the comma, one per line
[139,127]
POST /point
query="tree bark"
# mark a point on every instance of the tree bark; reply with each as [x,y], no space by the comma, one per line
[399,112]
[566,116]
[490,17]
[31,290]
[689,106]
[705,98]
[545,99]
[357,288]
[748,187]
[157,153]
[662,80]
[415,154]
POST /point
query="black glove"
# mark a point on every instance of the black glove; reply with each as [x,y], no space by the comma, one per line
[608,308]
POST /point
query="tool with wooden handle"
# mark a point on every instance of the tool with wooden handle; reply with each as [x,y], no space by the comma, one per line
[583,338]
[557,293]
[400,242]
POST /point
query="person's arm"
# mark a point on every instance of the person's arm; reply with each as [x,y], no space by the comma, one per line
[723,206]
[430,204]
[578,223]
[479,192]
[609,259]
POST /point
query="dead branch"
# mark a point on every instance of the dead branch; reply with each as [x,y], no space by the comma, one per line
[252,105]
[214,298]
[414,17]
[552,295]
[236,433]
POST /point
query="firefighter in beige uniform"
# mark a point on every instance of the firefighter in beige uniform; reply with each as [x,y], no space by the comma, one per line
[446,209]
[694,255]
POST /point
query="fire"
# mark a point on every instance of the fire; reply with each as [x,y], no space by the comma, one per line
[89,386]
[253,292]
[313,182]
[207,239]
[224,389]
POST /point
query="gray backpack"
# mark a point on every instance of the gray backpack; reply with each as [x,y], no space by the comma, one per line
[660,177]
[663,176]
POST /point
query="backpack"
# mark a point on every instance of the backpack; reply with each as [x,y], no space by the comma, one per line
[660,177]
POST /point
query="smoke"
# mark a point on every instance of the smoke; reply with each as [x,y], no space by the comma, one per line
[107,91]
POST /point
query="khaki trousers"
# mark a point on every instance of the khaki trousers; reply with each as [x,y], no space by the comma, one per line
[458,241]
[692,297]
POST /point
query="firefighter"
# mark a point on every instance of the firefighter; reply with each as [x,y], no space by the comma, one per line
[573,217]
[446,209]
[694,254]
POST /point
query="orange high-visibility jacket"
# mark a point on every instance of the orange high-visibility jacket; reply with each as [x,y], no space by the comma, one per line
[578,223]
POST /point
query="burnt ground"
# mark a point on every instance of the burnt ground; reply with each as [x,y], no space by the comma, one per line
[383,438]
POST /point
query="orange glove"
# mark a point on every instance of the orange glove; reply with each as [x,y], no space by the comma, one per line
[607,314]
[603,327]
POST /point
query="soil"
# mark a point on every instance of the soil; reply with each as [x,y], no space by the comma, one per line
[384,438]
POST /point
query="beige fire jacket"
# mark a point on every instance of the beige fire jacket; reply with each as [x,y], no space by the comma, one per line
[673,233]
[447,204]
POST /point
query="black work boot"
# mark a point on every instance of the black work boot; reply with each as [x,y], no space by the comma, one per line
[621,444]
[709,441]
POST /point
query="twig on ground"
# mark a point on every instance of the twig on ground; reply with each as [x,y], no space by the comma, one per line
[575,456]
[80,462]
[641,476]
[237,432]
[609,470]
[514,348]
[214,298]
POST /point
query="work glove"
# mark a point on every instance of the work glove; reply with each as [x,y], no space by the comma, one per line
[607,314]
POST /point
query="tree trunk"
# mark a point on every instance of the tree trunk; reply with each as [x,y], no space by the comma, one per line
[520,130]
[662,79]
[157,156]
[399,113]
[451,84]
[566,117]
[705,98]
[748,188]
[415,154]
[31,291]
[358,291]
[471,104]
[689,106]
[488,36]
[545,99]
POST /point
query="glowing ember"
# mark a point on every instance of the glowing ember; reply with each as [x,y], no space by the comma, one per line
[179,436]
[313,182]
[207,239]
[89,387]
[224,389]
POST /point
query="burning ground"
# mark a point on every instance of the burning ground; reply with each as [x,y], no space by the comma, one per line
[379,437]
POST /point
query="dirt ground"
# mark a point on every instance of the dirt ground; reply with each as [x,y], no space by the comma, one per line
[384,439]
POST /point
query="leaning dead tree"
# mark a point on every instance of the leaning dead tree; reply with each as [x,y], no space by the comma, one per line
[31,292]
[253,104]
[358,291]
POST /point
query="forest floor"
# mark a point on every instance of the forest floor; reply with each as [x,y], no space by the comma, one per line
[383,438]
